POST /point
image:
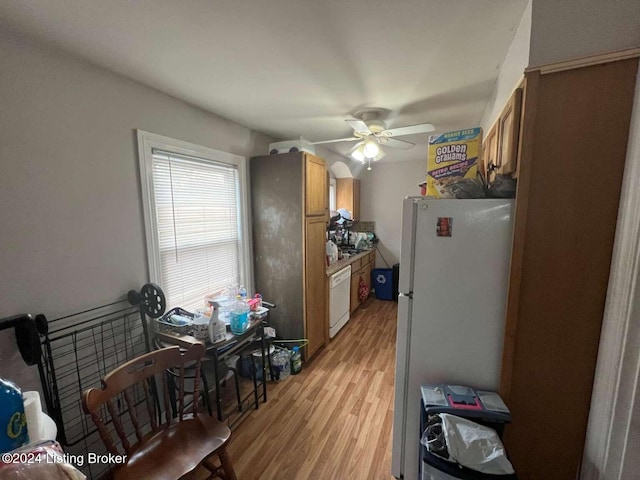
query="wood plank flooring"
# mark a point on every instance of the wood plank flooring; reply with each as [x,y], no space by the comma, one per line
[334,419]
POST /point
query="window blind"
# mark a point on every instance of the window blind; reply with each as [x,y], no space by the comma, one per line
[197,213]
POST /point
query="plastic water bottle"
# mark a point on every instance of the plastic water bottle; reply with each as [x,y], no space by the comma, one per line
[280,364]
[296,361]
[239,317]
[242,292]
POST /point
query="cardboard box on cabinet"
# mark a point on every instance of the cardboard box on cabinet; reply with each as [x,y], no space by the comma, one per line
[453,156]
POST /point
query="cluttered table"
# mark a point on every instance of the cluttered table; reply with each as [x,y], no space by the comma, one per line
[252,339]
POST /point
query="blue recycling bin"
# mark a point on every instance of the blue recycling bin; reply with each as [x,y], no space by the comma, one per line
[382,281]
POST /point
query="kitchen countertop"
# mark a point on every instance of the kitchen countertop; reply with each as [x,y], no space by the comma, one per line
[340,264]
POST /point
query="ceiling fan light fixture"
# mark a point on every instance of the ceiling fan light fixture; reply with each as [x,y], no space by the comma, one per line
[358,155]
[379,156]
[371,149]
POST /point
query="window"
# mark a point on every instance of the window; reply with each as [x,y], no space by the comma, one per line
[332,195]
[195,218]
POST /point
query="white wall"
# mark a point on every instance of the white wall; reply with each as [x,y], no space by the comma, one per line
[566,29]
[72,232]
[381,193]
[511,71]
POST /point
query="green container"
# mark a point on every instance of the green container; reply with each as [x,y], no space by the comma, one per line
[296,361]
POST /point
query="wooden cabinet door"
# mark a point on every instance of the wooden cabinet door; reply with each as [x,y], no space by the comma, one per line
[508,133]
[315,283]
[490,153]
[366,274]
[348,195]
[355,284]
[316,198]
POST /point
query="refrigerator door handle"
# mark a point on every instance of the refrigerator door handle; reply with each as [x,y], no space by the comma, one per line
[403,343]
[406,295]
[407,248]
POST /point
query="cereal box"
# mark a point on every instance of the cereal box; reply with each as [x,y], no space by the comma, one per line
[453,156]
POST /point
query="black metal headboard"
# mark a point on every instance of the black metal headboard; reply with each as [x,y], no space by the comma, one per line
[74,352]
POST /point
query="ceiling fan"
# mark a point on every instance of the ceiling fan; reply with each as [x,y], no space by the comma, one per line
[371,133]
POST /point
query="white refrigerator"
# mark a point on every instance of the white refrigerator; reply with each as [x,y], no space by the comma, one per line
[454,269]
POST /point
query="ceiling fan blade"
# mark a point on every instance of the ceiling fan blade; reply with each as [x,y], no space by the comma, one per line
[410,130]
[349,139]
[359,126]
[396,143]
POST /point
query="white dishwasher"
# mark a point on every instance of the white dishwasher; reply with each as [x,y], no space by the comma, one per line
[339,299]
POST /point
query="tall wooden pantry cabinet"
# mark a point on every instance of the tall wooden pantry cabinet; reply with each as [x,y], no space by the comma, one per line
[571,158]
[290,212]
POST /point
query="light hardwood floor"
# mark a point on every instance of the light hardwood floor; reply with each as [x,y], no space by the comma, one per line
[334,419]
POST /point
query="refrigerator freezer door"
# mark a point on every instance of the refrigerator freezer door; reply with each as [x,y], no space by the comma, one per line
[459,283]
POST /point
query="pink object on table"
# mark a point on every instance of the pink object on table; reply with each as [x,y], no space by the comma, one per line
[254,303]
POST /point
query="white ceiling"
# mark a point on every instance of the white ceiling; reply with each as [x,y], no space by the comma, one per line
[294,67]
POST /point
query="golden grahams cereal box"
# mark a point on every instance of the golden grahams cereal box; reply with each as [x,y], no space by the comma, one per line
[453,156]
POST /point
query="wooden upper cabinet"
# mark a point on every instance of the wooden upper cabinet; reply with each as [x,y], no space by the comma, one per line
[315,283]
[490,153]
[317,201]
[508,134]
[356,199]
[348,195]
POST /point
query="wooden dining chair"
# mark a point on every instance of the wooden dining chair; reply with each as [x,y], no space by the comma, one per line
[168,449]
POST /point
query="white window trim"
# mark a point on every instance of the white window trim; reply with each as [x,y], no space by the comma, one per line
[147,142]
[332,183]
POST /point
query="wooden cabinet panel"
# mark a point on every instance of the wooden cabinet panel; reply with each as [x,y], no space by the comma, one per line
[356,199]
[490,153]
[348,195]
[508,133]
[366,274]
[355,283]
[316,198]
[558,274]
[356,265]
[315,284]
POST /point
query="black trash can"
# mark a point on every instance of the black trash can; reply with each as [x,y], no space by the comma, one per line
[482,407]
[396,279]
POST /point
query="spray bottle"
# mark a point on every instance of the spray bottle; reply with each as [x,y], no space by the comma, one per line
[217,328]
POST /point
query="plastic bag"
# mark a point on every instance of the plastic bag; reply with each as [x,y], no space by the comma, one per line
[502,187]
[468,443]
[41,461]
[280,364]
[467,188]
[363,290]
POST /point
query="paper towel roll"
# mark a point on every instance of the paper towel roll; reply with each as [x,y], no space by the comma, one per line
[32,410]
